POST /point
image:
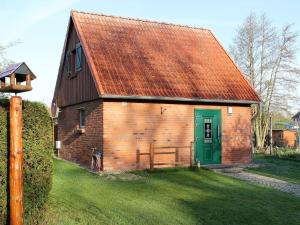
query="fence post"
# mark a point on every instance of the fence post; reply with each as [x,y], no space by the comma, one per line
[16,162]
[191,154]
[151,156]
[138,159]
[270,135]
[176,156]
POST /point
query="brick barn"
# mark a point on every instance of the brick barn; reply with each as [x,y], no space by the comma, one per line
[284,138]
[129,89]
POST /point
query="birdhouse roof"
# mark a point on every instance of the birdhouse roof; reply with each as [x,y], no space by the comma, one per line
[17,68]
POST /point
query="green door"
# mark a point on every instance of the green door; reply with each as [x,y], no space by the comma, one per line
[208,136]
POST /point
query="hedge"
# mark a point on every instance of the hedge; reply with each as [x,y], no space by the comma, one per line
[37,152]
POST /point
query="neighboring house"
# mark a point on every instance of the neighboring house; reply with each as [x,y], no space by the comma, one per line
[126,83]
[296,116]
[284,138]
[296,119]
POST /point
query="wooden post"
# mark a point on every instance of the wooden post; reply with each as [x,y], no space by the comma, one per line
[28,80]
[16,162]
[270,135]
[151,155]
[191,155]
[138,158]
[12,80]
[176,157]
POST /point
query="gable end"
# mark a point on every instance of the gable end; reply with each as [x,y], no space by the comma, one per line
[78,87]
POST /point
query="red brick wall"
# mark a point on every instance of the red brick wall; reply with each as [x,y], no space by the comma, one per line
[290,138]
[129,127]
[77,147]
[122,128]
[285,138]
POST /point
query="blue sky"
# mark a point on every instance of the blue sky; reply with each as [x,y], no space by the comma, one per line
[41,26]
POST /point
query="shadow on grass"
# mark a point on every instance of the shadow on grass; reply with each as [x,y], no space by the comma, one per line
[283,169]
[169,196]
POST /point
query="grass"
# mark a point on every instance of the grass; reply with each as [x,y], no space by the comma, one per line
[281,168]
[171,196]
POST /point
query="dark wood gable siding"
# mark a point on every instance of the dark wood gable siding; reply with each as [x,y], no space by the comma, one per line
[81,87]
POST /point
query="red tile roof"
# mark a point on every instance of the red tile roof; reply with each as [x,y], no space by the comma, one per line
[130,57]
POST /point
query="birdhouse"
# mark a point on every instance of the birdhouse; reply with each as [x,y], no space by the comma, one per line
[16,78]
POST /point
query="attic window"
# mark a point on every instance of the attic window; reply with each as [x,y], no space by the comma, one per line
[68,64]
[78,57]
[74,61]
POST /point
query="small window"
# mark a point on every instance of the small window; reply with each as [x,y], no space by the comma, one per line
[74,61]
[68,65]
[207,130]
[78,57]
[73,53]
[81,118]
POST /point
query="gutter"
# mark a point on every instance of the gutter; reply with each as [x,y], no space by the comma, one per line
[198,100]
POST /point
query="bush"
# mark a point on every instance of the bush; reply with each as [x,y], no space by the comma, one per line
[37,152]
[286,153]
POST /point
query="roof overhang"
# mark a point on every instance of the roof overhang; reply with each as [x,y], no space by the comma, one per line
[178,99]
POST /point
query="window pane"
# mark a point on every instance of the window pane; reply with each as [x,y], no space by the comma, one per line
[207,130]
[78,57]
[81,118]
[68,64]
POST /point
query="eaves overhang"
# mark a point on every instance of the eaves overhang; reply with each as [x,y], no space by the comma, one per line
[178,99]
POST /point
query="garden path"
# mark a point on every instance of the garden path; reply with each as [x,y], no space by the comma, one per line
[261,180]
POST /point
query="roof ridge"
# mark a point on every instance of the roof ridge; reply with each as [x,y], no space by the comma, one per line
[142,20]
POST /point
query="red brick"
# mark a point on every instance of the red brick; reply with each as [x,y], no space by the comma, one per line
[77,147]
[122,128]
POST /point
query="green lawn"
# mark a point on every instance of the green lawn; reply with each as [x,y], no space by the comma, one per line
[178,196]
[284,169]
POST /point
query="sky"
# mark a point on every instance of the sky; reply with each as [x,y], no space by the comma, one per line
[40,26]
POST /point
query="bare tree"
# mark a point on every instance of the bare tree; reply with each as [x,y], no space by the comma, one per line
[266,56]
[4,62]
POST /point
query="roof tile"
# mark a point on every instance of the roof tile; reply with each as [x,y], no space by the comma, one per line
[143,58]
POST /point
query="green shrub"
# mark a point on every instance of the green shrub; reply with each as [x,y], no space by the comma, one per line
[37,152]
[286,153]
